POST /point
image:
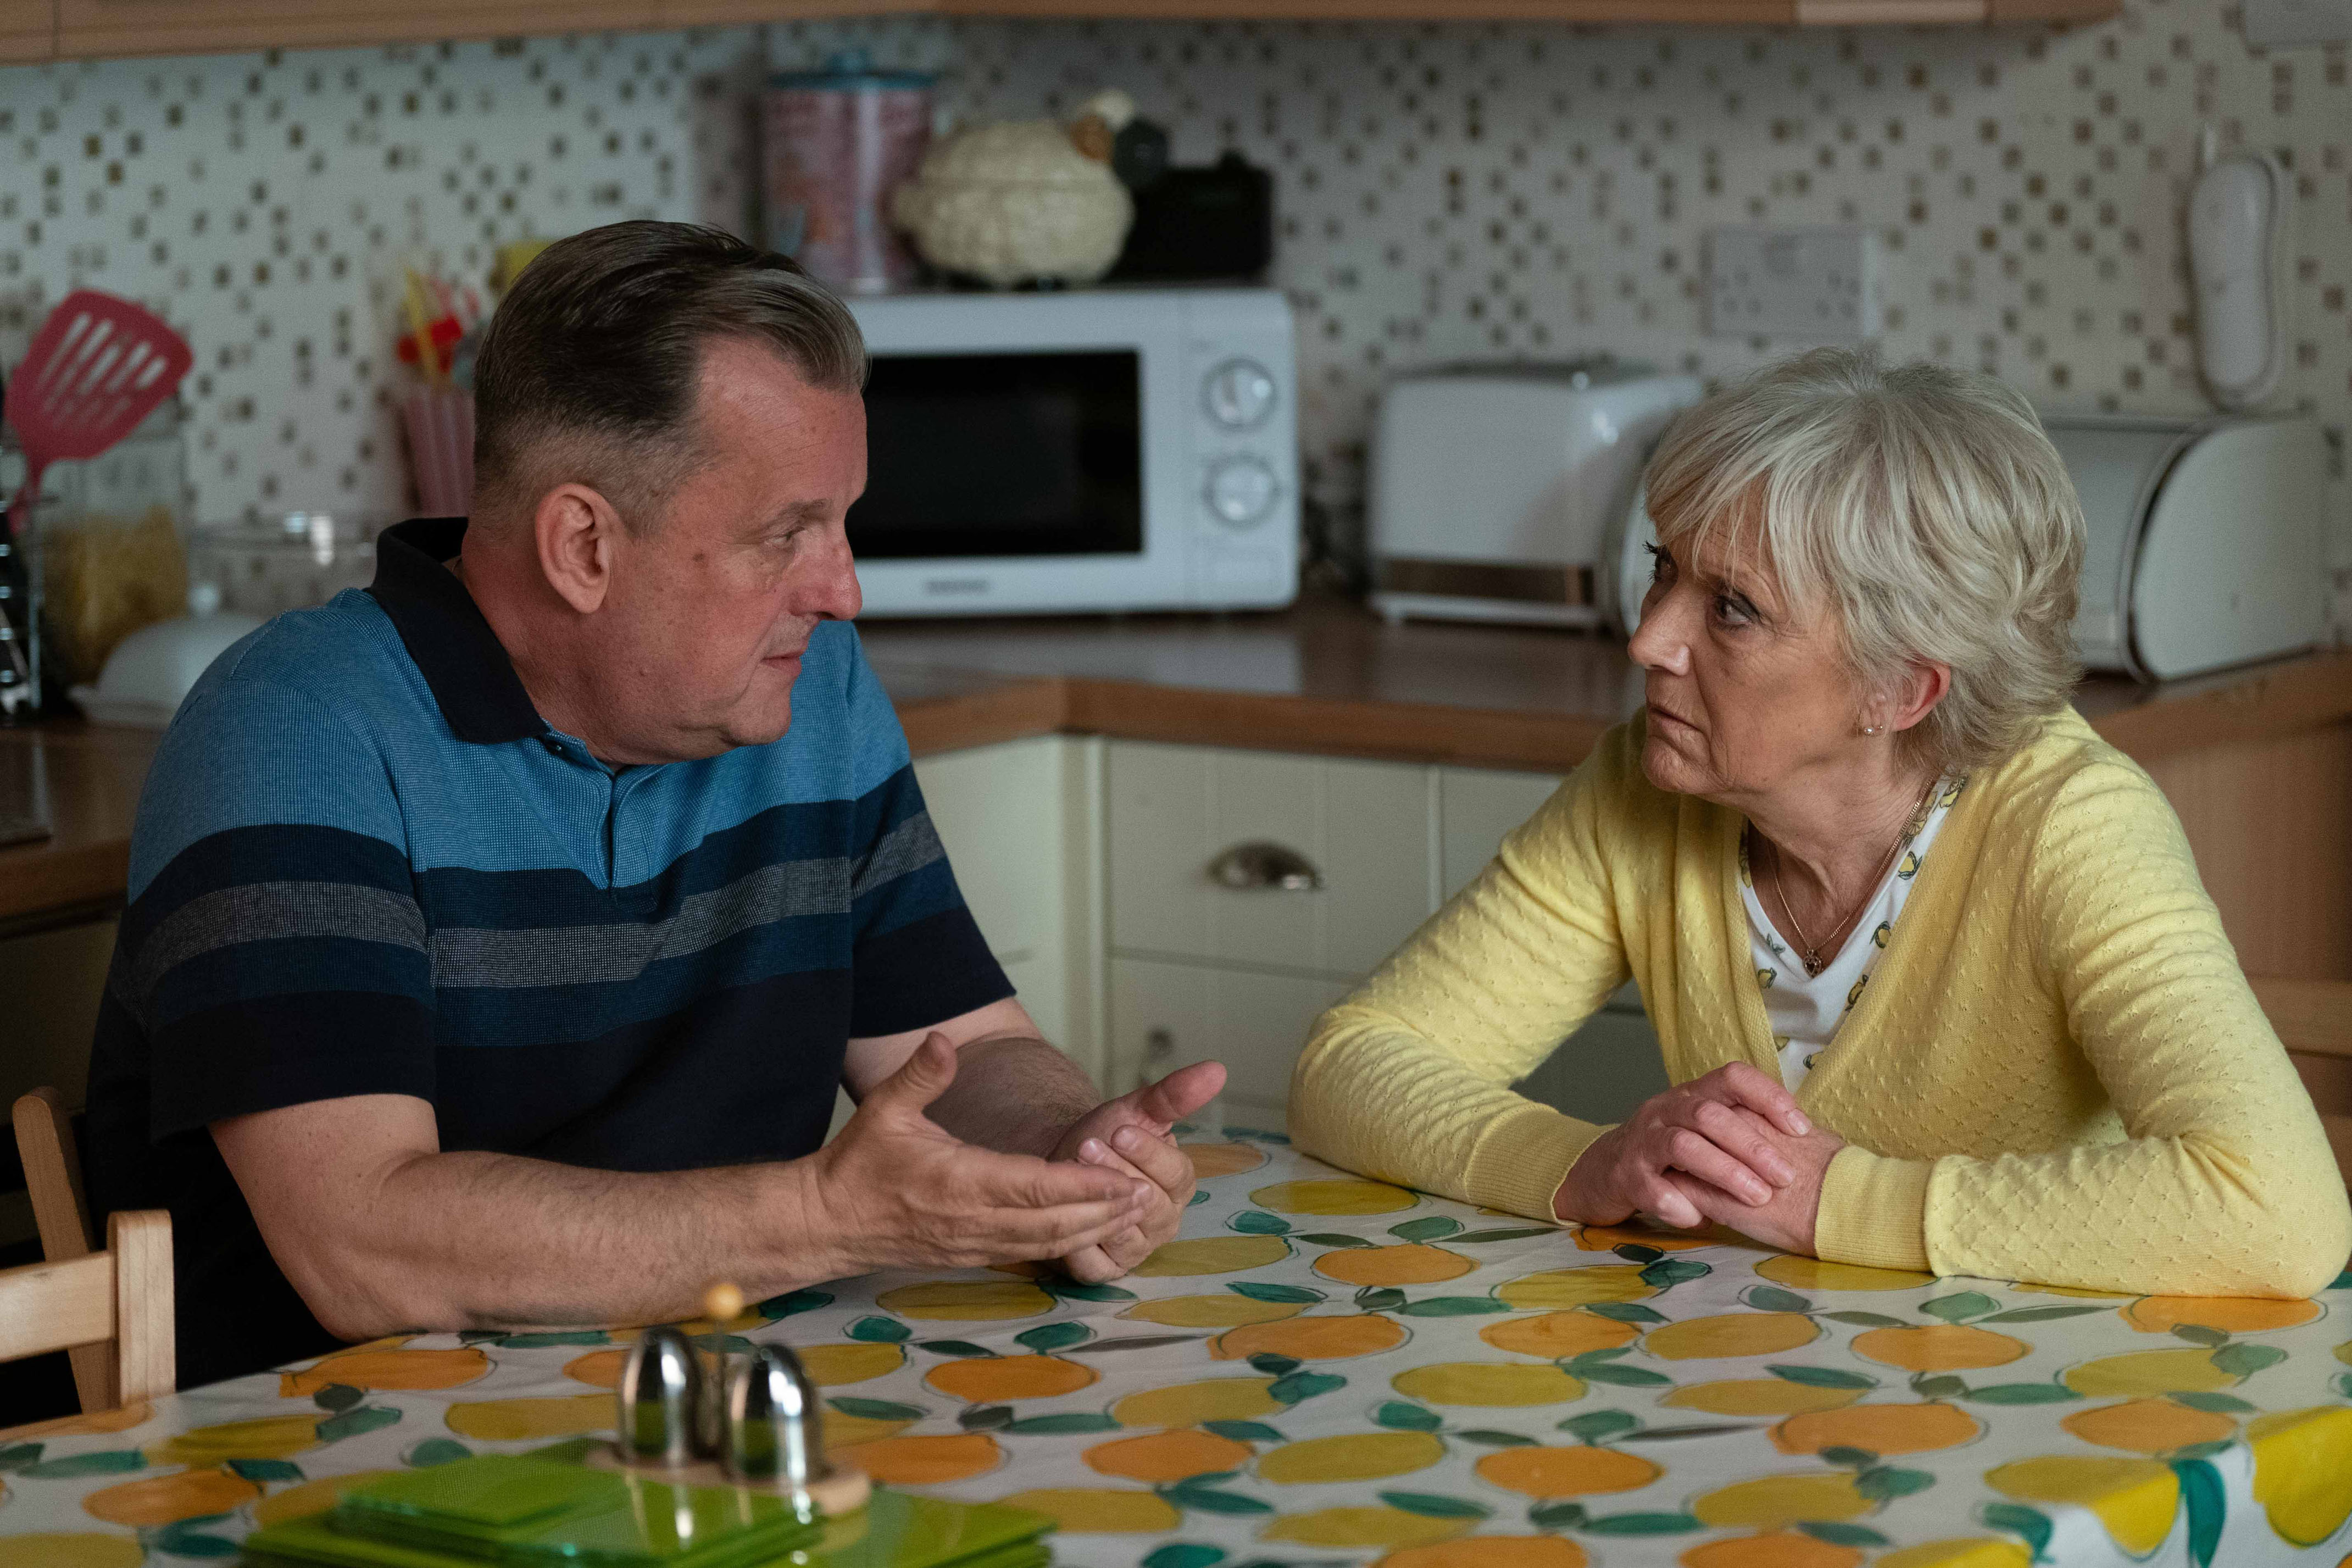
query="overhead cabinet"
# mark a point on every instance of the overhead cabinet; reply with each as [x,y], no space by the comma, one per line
[28,29]
[90,27]
[35,29]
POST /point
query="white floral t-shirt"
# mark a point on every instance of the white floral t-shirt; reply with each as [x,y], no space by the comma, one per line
[1806,1009]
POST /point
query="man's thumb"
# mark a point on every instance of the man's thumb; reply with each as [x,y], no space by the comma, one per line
[922,1078]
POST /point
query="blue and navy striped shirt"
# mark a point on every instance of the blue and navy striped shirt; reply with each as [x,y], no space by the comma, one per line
[365,864]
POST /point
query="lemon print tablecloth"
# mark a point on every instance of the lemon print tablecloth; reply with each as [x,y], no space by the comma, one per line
[1324,1370]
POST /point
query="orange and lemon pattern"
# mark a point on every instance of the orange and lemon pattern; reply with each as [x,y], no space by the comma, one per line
[1329,1370]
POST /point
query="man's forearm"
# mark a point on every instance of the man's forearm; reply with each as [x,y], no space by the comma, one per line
[481,1240]
[1014,1093]
[379,1230]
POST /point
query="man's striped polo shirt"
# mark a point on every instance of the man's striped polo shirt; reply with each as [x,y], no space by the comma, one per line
[365,864]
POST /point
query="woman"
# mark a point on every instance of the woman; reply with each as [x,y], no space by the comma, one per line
[1929,962]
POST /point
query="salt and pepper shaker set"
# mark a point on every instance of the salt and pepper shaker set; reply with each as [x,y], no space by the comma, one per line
[757,1417]
[702,1417]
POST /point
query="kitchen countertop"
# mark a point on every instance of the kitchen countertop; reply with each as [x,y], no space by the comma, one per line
[1329,676]
[79,871]
[1326,676]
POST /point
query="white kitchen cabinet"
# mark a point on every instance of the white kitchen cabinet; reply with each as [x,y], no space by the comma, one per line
[1088,865]
[1606,1068]
[1199,970]
[1475,807]
[1021,822]
[1166,1015]
[1366,831]
[998,811]
[1611,1064]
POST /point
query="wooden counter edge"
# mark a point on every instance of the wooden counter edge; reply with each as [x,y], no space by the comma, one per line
[1399,732]
[1012,711]
[85,880]
[2258,704]
[1255,720]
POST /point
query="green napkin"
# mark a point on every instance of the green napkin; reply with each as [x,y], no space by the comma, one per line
[897,1531]
[512,1511]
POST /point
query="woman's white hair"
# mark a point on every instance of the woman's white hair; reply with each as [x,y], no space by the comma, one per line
[1925,506]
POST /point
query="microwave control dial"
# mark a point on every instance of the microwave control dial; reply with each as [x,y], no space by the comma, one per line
[1241,491]
[1238,394]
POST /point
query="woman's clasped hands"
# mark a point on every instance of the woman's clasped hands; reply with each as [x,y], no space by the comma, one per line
[1730,1149]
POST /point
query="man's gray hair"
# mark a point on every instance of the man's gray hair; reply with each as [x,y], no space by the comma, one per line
[1924,506]
[588,371]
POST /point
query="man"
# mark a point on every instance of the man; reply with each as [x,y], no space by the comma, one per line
[498,936]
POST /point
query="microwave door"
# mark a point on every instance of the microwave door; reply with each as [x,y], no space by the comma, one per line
[1002,454]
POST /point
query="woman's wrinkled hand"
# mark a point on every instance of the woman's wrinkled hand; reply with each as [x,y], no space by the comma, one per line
[1786,1219]
[1711,1129]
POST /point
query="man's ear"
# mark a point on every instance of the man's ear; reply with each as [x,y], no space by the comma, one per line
[578,534]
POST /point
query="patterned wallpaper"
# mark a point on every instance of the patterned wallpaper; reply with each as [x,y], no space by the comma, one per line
[1445,191]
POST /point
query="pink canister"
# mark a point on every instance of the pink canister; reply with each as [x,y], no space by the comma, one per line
[837,142]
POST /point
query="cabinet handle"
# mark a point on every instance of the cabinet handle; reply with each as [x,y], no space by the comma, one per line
[1159,1044]
[1246,867]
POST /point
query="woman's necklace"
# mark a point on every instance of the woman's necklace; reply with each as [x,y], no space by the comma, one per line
[1810,951]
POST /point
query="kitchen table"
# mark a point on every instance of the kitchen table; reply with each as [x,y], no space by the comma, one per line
[1324,1370]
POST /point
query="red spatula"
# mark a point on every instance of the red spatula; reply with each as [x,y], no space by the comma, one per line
[97,366]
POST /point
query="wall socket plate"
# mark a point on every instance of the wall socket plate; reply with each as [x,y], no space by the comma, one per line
[1816,284]
[2287,24]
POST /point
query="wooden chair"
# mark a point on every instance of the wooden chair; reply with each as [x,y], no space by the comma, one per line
[111,1311]
[2313,1020]
[118,1301]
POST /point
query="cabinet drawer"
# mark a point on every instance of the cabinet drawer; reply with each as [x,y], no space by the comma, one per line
[1365,828]
[1476,806]
[1166,1016]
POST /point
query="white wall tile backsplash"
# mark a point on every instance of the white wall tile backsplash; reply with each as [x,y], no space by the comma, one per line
[1445,192]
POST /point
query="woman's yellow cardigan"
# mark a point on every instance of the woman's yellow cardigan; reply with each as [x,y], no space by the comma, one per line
[2057,1072]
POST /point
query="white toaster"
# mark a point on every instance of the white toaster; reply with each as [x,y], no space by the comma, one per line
[1495,488]
[2205,544]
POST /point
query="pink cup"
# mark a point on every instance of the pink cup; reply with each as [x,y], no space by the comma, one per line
[440,422]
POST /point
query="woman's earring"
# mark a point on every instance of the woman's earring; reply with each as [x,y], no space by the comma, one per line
[1870,729]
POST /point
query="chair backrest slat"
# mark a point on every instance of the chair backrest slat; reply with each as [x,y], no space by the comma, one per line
[45,1143]
[50,1306]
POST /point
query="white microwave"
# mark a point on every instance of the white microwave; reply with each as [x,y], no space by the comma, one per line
[1100,449]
